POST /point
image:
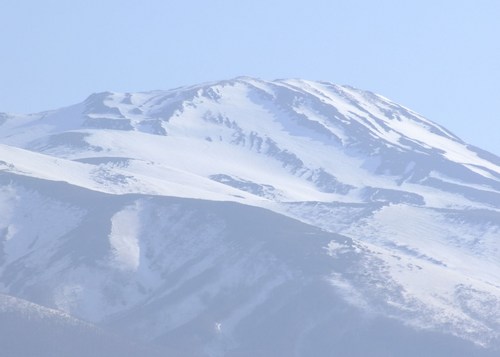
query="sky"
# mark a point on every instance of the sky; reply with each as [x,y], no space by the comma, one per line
[440,58]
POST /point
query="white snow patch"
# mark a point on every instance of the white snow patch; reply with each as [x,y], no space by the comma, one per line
[333,248]
[124,238]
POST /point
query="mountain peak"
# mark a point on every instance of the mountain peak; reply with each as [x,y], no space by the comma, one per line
[226,206]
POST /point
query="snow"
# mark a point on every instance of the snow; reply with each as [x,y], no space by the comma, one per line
[179,222]
[124,238]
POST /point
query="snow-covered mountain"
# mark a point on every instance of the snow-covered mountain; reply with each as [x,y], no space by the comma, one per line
[255,218]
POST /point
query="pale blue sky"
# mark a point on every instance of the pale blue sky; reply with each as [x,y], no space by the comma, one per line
[438,57]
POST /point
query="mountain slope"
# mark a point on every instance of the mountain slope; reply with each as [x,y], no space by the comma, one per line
[172,214]
[228,274]
[31,330]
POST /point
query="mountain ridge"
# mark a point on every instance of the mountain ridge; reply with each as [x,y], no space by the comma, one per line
[408,213]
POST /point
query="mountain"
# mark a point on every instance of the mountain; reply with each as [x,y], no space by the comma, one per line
[254,218]
[31,330]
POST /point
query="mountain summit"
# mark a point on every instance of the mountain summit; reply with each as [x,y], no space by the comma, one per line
[249,217]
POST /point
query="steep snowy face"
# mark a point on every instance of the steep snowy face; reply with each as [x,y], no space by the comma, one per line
[319,136]
[405,216]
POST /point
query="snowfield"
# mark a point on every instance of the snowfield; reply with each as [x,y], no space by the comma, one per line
[252,218]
